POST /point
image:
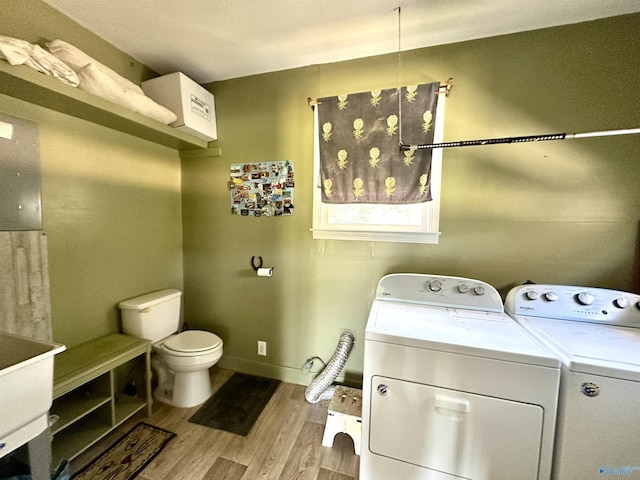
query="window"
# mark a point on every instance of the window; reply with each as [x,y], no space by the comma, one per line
[409,223]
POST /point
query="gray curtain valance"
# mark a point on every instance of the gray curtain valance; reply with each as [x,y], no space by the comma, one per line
[360,156]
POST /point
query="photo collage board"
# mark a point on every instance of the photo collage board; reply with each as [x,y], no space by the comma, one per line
[262,189]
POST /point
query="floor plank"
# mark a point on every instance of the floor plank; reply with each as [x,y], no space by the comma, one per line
[226,469]
[341,457]
[285,443]
[270,462]
[329,475]
[200,460]
[243,449]
[305,457]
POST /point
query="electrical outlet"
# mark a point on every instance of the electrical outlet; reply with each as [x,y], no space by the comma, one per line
[262,348]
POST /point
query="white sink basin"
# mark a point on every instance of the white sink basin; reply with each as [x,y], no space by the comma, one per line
[26,388]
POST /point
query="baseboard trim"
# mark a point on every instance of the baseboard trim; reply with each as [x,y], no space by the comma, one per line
[283,373]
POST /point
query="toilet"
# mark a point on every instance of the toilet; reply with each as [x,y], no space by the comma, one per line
[181,361]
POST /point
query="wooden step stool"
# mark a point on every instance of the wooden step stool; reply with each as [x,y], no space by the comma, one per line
[344,416]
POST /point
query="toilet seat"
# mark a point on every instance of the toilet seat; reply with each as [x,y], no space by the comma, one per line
[191,343]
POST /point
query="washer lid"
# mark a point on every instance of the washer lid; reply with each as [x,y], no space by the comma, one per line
[193,341]
[588,347]
[468,332]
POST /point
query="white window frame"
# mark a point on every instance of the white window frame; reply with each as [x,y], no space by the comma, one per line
[428,231]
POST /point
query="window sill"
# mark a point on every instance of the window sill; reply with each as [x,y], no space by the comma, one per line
[371,236]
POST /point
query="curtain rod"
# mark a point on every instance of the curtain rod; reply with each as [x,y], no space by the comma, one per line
[524,139]
[445,87]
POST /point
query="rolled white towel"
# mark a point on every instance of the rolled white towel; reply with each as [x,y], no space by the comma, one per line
[77,59]
[21,52]
[14,50]
[94,80]
[100,80]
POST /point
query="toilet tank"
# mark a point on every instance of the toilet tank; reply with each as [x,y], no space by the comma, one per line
[153,316]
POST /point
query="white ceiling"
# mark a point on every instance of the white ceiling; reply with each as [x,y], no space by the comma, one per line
[212,40]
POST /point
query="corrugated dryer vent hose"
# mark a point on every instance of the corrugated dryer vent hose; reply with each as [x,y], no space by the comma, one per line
[322,386]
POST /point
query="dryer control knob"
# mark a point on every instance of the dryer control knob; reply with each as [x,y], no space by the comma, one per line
[463,288]
[531,295]
[435,285]
[479,290]
[551,297]
[621,302]
[590,389]
[585,298]
[383,390]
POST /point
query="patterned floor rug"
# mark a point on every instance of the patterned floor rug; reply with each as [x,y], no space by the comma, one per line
[128,456]
[236,406]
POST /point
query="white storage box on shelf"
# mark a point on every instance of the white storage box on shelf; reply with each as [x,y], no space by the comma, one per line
[193,104]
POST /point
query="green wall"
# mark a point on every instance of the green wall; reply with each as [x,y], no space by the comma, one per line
[111,203]
[112,215]
[124,216]
[554,212]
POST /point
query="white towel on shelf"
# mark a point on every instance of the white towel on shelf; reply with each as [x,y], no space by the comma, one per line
[103,82]
[21,52]
[76,59]
[93,80]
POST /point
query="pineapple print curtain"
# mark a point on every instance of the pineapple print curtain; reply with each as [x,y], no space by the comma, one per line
[360,157]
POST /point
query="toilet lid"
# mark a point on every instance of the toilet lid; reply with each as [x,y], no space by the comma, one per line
[193,341]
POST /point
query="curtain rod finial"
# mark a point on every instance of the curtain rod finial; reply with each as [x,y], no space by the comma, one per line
[445,87]
[312,103]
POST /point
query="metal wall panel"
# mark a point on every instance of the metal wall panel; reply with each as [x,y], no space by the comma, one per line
[20,194]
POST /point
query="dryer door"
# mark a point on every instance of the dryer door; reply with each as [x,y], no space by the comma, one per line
[462,434]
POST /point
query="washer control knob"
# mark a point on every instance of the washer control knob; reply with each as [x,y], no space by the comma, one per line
[585,298]
[463,288]
[531,295]
[435,285]
[551,297]
[479,290]
[621,302]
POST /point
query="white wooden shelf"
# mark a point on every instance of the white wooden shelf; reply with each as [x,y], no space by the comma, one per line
[27,84]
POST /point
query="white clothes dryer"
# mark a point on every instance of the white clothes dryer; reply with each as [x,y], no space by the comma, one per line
[596,334]
[453,388]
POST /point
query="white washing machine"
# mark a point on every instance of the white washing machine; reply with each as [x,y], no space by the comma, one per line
[453,388]
[596,334]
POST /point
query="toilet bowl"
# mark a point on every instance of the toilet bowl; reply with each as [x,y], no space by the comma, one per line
[181,361]
[183,367]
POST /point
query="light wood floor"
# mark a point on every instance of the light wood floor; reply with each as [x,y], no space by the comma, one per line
[285,443]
